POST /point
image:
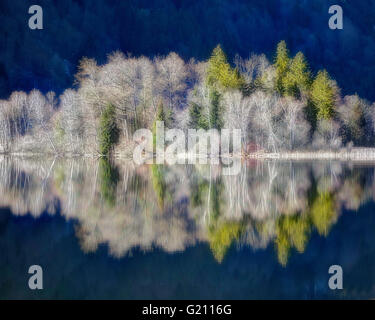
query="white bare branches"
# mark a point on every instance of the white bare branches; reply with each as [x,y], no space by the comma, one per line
[277,123]
[238,111]
[171,80]
[253,67]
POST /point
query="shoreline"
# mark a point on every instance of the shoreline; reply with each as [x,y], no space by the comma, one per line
[355,154]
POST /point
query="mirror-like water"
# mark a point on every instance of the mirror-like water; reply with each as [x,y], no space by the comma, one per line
[113,230]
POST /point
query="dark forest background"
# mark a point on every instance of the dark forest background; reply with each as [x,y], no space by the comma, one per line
[47,59]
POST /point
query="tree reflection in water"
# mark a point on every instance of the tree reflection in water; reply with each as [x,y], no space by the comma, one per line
[277,203]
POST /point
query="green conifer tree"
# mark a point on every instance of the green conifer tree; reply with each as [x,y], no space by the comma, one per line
[197,119]
[161,115]
[297,78]
[216,112]
[281,64]
[220,73]
[322,95]
[108,131]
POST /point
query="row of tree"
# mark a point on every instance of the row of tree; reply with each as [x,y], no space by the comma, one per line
[278,106]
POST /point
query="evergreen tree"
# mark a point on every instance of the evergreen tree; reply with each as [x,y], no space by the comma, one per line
[164,114]
[221,73]
[322,95]
[297,78]
[281,64]
[161,115]
[197,119]
[108,131]
[216,117]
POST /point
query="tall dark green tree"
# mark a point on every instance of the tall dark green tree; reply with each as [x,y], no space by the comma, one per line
[197,119]
[216,110]
[108,131]
[162,114]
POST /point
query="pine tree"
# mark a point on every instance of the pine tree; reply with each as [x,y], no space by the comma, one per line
[216,120]
[108,131]
[297,78]
[197,119]
[161,115]
[322,95]
[281,64]
[221,73]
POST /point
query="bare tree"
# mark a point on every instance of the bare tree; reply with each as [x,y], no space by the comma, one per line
[327,135]
[70,124]
[238,111]
[171,80]
[293,128]
[264,120]
[253,67]
[40,111]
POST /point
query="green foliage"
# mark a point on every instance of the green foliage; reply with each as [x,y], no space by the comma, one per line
[220,73]
[291,232]
[297,78]
[197,119]
[162,114]
[323,212]
[216,197]
[281,64]
[159,184]
[197,191]
[292,75]
[216,110]
[109,178]
[322,95]
[221,233]
[59,130]
[222,237]
[108,131]
[311,116]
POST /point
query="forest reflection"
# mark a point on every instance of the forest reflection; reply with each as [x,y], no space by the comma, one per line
[270,203]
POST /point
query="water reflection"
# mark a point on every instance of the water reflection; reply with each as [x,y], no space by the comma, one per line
[270,203]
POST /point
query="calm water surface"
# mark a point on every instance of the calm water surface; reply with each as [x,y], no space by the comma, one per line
[113,230]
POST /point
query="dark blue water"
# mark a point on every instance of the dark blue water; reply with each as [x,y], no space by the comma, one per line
[192,274]
[124,267]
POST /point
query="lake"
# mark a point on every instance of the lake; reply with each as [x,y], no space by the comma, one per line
[111,230]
